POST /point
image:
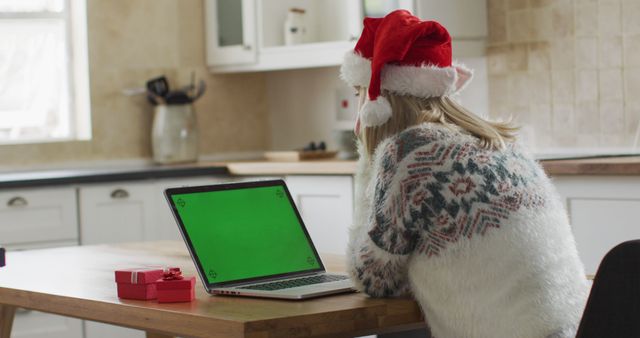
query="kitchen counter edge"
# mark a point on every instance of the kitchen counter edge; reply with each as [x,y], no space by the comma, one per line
[590,166]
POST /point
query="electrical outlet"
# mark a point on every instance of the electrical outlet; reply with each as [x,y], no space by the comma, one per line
[346,104]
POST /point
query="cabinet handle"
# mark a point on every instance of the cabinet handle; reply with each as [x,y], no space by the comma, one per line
[246,47]
[17,202]
[119,194]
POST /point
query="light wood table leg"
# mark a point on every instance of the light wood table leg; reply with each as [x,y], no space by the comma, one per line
[6,320]
[152,335]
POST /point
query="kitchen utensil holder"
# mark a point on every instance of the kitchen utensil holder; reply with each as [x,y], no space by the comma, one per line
[174,135]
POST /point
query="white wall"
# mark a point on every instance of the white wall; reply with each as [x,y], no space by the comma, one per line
[302,103]
[476,96]
[464,19]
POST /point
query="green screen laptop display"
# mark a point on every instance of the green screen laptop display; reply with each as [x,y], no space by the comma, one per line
[245,233]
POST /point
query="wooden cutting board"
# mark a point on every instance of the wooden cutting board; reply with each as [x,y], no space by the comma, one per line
[299,155]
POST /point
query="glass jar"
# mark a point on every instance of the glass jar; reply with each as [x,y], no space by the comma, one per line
[174,135]
[295,27]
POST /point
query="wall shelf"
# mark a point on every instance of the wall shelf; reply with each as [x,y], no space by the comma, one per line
[319,54]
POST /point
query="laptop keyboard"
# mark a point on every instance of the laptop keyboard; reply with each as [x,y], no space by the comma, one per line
[294,283]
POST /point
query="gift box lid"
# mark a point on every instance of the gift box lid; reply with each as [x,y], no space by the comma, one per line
[174,284]
[138,275]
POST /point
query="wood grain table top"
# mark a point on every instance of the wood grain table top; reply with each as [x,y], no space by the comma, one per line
[79,282]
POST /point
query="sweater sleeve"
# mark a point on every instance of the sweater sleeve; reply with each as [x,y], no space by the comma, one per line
[383,237]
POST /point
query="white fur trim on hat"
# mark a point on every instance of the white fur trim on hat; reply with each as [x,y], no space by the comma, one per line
[423,81]
[376,112]
[355,70]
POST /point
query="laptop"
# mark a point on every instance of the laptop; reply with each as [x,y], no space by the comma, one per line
[248,239]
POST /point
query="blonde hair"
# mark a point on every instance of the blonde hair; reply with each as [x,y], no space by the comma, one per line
[408,111]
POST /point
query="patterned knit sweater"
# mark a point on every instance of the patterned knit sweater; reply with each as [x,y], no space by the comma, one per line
[479,237]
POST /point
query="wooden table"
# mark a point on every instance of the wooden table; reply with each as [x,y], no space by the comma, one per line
[79,282]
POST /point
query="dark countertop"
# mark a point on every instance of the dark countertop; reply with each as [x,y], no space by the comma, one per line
[620,165]
[27,179]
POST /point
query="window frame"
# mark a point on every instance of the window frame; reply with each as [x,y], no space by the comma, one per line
[74,16]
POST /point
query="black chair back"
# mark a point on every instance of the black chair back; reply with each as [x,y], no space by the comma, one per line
[613,308]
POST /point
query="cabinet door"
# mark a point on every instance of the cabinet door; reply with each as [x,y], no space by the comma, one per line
[38,215]
[100,330]
[326,206]
[34,324]
[603,210]
[230,32]
[117,213]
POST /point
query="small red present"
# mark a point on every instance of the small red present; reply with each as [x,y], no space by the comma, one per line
[138,283]
[173,287]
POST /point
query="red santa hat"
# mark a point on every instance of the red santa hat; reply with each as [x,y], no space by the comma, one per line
[405,55]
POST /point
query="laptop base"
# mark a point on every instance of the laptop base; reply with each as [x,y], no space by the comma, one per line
[302,292]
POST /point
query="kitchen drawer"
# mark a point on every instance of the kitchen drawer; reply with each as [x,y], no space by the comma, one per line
[34,324]
[32,216]
[115,213]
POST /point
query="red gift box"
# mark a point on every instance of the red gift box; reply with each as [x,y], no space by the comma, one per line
[173,287]
[138,283]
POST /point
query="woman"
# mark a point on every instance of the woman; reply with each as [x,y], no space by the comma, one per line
[449,208]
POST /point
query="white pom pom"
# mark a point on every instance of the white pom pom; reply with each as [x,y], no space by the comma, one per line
[375,113]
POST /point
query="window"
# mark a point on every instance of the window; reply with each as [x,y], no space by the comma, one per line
[44,85]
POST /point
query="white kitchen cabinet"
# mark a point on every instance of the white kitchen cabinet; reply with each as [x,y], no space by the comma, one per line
[101,330]
[248,35]
[603,210]
[231,32]
[33,219]
[37,216]
[332,28]
[118,212]
[129,212]
[326,206]
[34,324]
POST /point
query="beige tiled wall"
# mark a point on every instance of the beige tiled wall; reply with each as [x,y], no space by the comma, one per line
[130,42]
[569,70]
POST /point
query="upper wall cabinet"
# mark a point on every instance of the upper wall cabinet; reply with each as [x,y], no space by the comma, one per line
[262,35]
[249,35]
[231,32]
